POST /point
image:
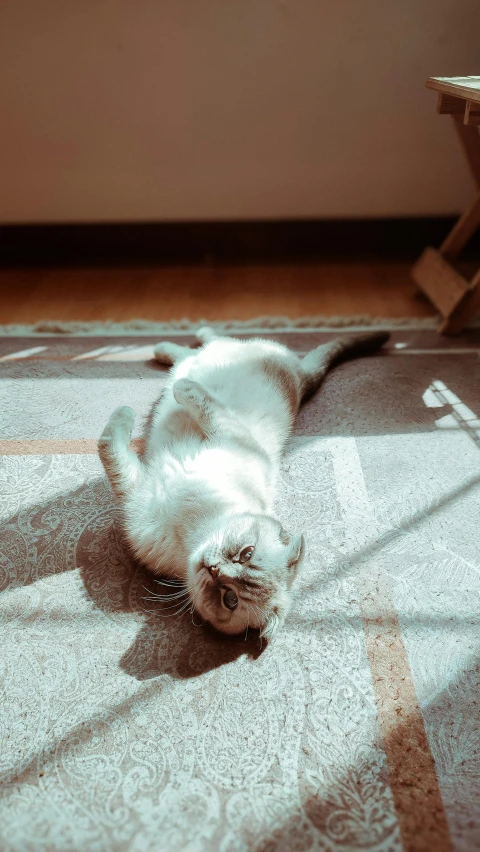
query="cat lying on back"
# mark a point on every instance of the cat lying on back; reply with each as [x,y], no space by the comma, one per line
[198,506]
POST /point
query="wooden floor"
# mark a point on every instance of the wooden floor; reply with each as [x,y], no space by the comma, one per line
[381,289]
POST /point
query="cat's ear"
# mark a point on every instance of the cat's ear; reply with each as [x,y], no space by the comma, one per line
[295,555]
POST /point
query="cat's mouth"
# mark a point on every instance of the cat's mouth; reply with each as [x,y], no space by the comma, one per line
[212,570]
[217,600]
[227,593]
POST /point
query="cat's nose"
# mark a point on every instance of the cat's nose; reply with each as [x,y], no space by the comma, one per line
[214,571]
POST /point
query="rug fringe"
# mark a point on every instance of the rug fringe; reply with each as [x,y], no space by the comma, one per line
[271,323]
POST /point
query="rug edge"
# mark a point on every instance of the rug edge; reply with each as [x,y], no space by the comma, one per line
[266,323]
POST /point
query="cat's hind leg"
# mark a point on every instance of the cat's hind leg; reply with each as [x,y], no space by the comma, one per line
[205,410]
[171,353]
[205,334]
[211,415]
[316,364]
[122,466]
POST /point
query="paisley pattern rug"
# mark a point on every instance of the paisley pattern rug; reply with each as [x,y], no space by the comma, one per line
[125,727]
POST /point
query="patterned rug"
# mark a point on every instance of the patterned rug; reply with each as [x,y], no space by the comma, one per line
[358,728]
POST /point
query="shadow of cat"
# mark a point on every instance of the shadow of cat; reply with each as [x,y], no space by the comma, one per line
[80,530]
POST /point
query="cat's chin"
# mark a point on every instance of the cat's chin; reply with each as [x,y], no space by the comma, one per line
[225,631]
[234,624]
[226,624]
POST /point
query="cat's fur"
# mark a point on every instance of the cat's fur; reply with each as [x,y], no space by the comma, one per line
[198,506]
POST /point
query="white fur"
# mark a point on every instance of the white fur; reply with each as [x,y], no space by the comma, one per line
[207,481]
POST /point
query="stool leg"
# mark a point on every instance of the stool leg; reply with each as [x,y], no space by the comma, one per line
[470,141]
[461,232]
[465,310]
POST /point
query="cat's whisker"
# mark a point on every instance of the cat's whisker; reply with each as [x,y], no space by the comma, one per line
[263,619]
[152,596]
[162,608]
[183,604]
[179,612]
[261,615]
[167,597]
[151,611]
[150,592]
[158,612]
[174,590]
[248,622]
[165,601]
[194,597]
[172,614]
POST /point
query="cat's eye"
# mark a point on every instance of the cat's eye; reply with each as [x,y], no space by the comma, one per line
[230,599]
[247,553]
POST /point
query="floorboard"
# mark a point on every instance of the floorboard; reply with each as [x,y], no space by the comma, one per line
[164,293]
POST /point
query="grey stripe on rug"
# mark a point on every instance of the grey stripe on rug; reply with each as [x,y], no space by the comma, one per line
[357,728]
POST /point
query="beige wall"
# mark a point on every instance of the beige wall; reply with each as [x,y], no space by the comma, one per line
[172,109]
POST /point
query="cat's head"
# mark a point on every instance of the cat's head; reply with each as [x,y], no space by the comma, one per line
[241,575]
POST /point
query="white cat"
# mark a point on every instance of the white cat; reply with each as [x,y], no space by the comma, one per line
[198,506]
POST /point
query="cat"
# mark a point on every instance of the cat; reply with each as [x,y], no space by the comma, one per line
[197,507]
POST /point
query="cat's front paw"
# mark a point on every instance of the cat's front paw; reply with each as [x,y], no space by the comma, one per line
[120,425]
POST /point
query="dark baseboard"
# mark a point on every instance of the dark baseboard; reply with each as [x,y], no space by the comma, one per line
[223,242]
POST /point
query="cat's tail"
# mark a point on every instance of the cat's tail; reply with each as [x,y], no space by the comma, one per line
[317,363]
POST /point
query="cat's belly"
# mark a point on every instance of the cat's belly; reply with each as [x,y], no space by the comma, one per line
[215,475]
[175,424]
[192,490]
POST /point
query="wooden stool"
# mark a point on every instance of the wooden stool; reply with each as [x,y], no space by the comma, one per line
[458,300]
